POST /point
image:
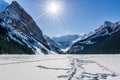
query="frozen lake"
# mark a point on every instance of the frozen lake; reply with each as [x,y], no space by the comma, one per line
[60,67]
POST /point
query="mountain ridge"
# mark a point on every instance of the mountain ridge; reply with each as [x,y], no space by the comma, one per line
[22,29]
[100,41]
[66,40]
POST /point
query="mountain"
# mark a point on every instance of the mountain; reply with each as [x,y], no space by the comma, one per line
[19,32]
[53,45]
[65,41]
[104,40]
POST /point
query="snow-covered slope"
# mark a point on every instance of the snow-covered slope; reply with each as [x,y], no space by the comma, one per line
[65,41]
[3,5]
[60,67]
[99,41]
[22,29]
[53,45]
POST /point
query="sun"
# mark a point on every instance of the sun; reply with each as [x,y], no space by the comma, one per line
[53,8]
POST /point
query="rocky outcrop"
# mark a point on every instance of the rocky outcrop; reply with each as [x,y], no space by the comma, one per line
[22,28]
[53,45]
[104,40]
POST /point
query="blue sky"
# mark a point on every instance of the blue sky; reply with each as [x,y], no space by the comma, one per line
[79,16]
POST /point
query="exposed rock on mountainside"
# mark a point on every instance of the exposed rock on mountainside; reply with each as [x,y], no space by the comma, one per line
[104,40]
[53,45]
[20,28]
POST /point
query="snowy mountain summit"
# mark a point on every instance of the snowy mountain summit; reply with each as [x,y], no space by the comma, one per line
[19,32]
[103,40]
[65,41]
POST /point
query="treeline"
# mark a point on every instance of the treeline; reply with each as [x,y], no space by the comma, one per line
[8,46]
[12,47]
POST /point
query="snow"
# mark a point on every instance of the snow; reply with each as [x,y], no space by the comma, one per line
[65,41]
[3,5]
[12,13]
[94,37]
[59,67]
[89,42]
[66,49]
[53,45]
[25,39]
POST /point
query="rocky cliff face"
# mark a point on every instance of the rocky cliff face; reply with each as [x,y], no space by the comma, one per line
[22,29]
[53,45]
[103,40]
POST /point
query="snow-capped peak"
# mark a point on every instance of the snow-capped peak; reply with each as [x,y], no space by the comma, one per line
[3,5]
[117,23]
[108,24]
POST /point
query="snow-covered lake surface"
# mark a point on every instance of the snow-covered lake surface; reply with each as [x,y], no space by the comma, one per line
[60,67]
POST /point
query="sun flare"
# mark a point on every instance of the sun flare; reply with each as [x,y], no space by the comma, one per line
[53,8]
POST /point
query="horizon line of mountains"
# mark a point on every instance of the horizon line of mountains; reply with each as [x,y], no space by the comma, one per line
[19,34]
